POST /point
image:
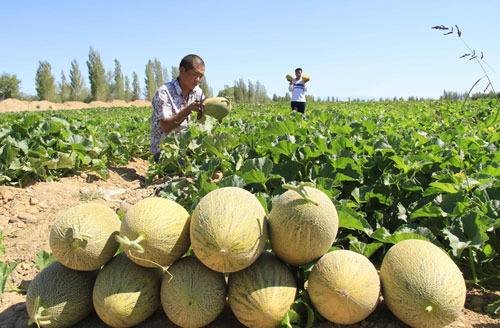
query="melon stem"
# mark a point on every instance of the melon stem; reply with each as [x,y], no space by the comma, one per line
[78,239]
[301,190]
[38,318]
[128,244]
[428,308]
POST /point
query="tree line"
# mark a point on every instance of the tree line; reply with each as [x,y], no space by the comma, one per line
[103,85]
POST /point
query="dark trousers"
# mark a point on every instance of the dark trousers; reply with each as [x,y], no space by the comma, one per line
[299,106]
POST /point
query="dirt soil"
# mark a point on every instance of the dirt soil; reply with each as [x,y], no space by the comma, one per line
[26,215]
[16,105]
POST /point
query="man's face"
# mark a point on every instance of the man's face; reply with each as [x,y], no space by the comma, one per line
[298,74]
[191,78]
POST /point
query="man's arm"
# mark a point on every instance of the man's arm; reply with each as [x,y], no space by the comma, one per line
[290,86]
[169,120]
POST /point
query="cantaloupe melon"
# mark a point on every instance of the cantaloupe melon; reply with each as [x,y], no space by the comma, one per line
[303,224]
[261,295]
[344,287]
[155,232]
[125,293]
[217,107]
[59,296]
[82,237]
[193,295]
[289,78]
[421,285]
[228,229]
[305,78]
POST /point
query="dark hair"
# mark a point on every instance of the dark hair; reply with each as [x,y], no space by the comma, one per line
[189,61]
[298,69]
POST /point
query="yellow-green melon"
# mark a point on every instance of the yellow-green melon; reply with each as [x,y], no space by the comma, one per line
[344,287]
[192,295]
[261,295]
[82,237]
[217,107]
[228,229]
[421,285]
[155,232]
[303,224]
[125,294]
[59,296]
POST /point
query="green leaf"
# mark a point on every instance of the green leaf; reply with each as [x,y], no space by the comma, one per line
[363,248]
[402,233]
[350,219]
[493,308]
[6,269]
[429,210]
[232,180]
[2,246]
[43,259]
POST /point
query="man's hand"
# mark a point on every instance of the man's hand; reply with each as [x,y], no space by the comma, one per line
[174,121]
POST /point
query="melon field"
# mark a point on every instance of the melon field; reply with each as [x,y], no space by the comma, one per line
[265,219]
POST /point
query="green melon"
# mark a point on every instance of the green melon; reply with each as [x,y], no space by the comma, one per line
[82,237]
[155,232]
[217,107]
[422,286]
[303,224]
[261,295]
[344,287]
[228,229]
[193,295]
[126,294]
[59,296]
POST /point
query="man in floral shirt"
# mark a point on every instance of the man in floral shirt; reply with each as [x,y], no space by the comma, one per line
[175,100]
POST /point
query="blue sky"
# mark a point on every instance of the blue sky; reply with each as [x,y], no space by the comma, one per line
[366,49]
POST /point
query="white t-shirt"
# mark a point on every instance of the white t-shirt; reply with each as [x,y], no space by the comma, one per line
[298,89]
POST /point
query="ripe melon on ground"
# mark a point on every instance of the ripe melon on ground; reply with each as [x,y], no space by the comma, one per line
[193,296]
[59,296]
[344,287]
[303,224]
[422,286]
[261,295]
[228,229]
[155,232]
[82,238]
[125,294]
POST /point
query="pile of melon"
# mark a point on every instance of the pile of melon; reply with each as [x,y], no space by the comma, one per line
[230,252]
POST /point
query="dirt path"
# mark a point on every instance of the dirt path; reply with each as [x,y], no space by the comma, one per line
[26,216]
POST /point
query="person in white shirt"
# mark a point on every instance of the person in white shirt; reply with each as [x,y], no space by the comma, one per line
[298,89]
[175,100]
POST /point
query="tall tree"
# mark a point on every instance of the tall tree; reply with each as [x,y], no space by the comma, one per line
[119,90]
[110,84]
[165,74]
[158,73]
[175,72]
[78,91]
[150,81]
[45,82]
[64,88]
[251,92]
[136,87]
[97,76]
[9,86]
[128,91]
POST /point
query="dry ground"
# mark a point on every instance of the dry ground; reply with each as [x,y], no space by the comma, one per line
[26,216]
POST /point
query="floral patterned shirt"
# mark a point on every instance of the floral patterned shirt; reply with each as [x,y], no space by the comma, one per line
[167,101]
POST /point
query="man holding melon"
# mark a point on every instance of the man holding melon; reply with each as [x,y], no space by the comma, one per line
[298,89]
[175,100]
